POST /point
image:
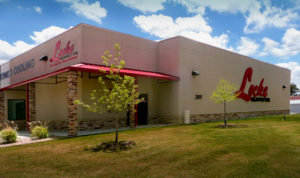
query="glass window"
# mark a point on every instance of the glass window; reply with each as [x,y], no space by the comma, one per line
[16,109]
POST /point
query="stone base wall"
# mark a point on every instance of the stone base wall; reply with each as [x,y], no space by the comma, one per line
[194,118]
[87,124]
[200,118]
[21,124]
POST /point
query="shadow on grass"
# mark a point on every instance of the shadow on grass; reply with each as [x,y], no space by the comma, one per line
[111,147]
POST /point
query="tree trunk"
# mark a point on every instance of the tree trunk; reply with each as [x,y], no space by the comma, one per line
[225,119]
[117,126]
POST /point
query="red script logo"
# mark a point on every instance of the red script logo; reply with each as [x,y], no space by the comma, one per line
[254,90]
[62,53]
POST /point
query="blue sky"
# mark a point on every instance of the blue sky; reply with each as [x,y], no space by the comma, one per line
[262,29]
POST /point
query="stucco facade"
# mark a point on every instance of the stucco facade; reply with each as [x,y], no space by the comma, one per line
[163,71]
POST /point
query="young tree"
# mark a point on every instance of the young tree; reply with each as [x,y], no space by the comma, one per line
[117,93]
[224,93]
[294,89]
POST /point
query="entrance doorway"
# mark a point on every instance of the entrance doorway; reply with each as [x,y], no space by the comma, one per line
[16,109]
[142,110]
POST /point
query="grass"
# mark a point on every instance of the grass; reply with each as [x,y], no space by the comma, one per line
[261,147]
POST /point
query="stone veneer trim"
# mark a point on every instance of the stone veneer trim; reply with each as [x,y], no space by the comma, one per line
[2,108]
[32,101]
[200,118]
[72,108]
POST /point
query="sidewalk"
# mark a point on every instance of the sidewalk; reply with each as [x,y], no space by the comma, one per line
[98,131]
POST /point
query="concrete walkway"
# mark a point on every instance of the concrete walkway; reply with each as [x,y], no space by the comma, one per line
[98,131]
[26,134]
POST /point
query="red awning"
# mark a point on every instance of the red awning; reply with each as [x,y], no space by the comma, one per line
[130,72]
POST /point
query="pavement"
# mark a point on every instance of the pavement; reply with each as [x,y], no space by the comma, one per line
[26,134]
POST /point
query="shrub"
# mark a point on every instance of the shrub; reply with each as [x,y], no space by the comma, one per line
[37,123]
[9,135]
[40,132]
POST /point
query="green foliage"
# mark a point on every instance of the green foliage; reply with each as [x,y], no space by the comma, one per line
[294,89]
[33,124]
[9,135]
[225,92]
[40,132]
[116,93]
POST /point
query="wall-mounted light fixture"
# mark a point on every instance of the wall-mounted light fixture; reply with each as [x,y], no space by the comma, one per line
[44,58]
[284,86]
[195,73]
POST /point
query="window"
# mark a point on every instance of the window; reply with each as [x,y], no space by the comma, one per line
[16,109]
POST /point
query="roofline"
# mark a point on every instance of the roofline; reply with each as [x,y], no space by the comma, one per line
[74,68]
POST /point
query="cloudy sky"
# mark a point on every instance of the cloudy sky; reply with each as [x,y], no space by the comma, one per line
[262,29]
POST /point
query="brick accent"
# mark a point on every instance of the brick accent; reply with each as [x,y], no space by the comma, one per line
[108,123]
[200,118]
[72,108]
[1,108]
[32,101]
[83,125]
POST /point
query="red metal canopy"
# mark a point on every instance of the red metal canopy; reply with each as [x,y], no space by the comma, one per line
[95,69]
[130,72]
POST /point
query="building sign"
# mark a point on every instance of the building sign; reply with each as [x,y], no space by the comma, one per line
[18,69]
[63,55]
[256,93]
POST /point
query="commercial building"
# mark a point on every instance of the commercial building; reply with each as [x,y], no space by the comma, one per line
[294,104]
[176,76]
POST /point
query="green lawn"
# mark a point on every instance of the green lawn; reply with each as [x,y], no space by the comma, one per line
[260,147]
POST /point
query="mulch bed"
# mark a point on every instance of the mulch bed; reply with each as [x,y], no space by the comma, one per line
[113,146]
[232,126]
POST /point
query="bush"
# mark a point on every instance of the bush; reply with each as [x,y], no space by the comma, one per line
[9,135]
[37,123]
[40,132]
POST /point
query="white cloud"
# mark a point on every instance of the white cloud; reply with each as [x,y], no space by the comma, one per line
[295,71]
[247,46]
[144,5]
[92,11]
[232,6]
[258,14]
[192,27]
[8,51]
[265,15]
[38,9]
[47,33]
[290,45]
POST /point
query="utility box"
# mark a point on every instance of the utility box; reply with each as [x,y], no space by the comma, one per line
[187,114]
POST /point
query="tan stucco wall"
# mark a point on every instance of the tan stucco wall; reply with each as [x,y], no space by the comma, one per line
[51,99]
[149,86]
[138,53]
[86,85]
[214,64]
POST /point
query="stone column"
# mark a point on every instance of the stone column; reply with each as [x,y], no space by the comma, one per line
[2,109]
[31,101]
[72,108]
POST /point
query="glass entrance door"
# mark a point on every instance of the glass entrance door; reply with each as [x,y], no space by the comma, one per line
[142,110]
[16,109]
